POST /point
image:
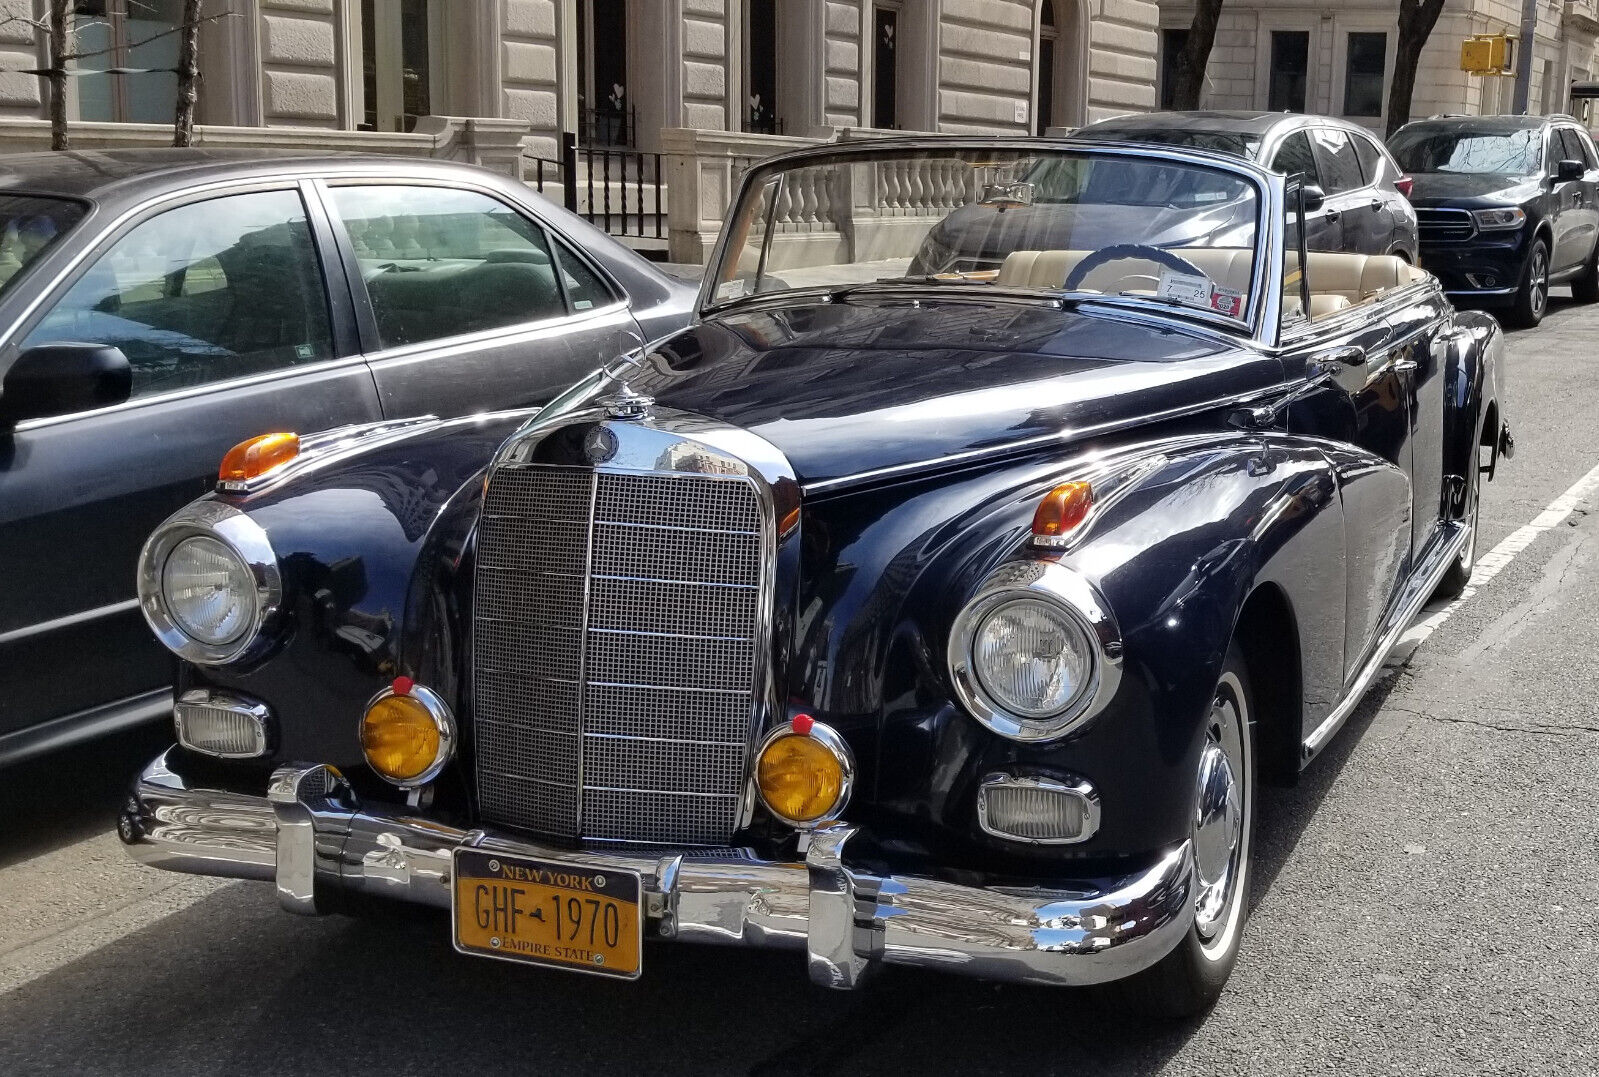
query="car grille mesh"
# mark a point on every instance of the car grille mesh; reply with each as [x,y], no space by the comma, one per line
[1445,225]
[615,652]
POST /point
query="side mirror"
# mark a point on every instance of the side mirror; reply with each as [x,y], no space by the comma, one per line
[58,379]
[1345,367]
[1567,171]
[1314,197]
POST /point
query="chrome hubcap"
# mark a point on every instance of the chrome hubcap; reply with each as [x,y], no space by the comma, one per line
[1221,815]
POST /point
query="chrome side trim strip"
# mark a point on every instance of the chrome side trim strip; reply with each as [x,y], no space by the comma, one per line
[71,620]
[1416,593]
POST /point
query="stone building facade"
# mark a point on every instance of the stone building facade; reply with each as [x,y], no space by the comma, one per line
[793,67]
[1338,59]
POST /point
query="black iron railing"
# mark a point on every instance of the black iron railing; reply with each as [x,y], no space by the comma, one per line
[614,188]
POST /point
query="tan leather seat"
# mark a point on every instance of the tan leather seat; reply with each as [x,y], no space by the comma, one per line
[1228,266]
[1357,276]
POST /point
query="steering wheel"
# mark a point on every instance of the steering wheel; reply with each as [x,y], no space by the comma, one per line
[1118,251]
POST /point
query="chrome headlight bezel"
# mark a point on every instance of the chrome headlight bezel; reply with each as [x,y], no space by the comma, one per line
[247,541]
[1077,599]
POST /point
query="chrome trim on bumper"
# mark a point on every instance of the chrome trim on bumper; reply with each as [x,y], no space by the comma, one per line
[313,839]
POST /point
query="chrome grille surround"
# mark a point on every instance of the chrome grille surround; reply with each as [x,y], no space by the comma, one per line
[621,634]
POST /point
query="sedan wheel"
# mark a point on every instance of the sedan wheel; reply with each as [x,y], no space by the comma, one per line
[1189,979]
[1532,298]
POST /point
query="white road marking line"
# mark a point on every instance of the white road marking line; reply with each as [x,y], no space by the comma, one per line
[1494,561]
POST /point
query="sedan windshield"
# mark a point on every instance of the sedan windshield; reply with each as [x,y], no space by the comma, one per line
[1129,227]
[29,225]
[1463,150]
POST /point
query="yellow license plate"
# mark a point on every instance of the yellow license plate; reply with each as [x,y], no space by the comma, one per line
[544,912]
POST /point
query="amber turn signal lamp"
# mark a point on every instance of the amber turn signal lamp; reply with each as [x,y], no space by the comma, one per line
[407,734]
[257,456]
[804,773]
[1062,509]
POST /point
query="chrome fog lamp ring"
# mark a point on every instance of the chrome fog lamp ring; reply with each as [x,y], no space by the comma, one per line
[999,819]
[247,542]
[1080,606]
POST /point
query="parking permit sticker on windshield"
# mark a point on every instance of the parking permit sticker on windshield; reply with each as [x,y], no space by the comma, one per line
[1189,288]
[1226,301]
[732,289]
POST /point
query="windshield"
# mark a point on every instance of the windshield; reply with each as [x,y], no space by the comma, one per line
[1137,229]
[1460,149]
[28,226]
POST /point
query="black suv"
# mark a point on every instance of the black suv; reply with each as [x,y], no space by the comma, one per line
[1506,206]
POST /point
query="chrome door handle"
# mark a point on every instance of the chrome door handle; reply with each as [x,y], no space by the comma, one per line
[1404,366]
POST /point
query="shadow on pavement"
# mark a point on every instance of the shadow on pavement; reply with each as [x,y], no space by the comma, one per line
[64,797]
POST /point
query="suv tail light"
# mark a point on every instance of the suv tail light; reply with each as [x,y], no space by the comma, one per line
[1404,183]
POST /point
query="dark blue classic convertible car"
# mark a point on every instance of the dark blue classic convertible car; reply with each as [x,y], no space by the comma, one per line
[948,618]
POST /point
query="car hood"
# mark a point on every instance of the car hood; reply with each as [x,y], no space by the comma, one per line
[1436,188]
[850,388]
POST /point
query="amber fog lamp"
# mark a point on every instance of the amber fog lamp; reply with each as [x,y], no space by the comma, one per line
[804,772]
[253,458]
[407,734]
[1062,509]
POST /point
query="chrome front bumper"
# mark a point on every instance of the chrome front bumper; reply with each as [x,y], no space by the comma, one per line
[312,838]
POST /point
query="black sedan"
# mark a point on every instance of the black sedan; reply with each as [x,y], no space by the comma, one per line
[157,307]
[1509,205]
[947,619]
[1355,189]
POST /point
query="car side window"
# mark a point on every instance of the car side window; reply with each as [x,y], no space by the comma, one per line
[213,290]
[1371,159]
[439,262]
[1294,158]
[1572,148]
[1335,156]
[584,288]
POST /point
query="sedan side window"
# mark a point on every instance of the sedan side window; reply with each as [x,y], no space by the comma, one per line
[1295,160]
[439,263]
[1335,155]
[209,291]
[1371,159]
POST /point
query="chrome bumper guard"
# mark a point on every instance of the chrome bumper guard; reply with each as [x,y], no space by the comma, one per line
[312,838]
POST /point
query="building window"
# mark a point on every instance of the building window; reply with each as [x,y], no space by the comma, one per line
[1048,61]
[124,34]
[760,67]
[885,65]
[1290,64]
[397,63]
[1172,44]
[1365,66]
[606,116]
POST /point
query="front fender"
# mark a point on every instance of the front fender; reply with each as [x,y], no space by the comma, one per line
[1473,391]
[1177,556]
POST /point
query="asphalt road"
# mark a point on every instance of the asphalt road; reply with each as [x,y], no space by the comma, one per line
[1425,901]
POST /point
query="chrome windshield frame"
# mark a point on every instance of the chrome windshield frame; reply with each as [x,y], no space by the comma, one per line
[1261,326]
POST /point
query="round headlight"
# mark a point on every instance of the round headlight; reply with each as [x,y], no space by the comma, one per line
[208,590]
[407,734]
[1036,652]
[1032,657]
[804,772]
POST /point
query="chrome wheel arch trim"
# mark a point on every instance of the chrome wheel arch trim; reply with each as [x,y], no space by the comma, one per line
[249,542]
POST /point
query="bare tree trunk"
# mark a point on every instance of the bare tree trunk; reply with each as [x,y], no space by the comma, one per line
[1188,81]
[60,16]
[188,74]
[1416,20]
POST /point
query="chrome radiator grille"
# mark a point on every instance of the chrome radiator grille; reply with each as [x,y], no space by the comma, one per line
[615,652]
